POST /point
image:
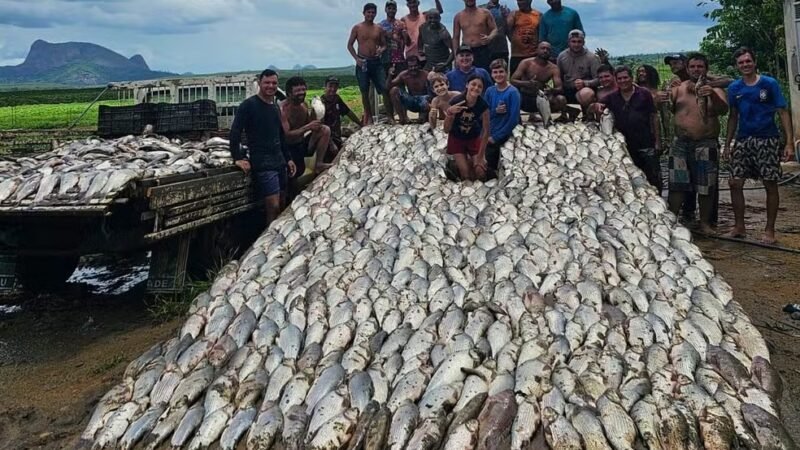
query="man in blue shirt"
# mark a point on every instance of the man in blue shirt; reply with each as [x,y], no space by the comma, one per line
[754,99]
[504,112]
[556,25]
[457,78]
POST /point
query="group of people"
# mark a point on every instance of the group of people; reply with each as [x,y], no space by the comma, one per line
[478,89]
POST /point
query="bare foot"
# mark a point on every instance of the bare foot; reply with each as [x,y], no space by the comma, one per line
[736,233]
[769,238]
[707,229]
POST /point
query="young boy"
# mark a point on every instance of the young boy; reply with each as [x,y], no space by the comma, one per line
[441,102]
[504,112]
[335,108]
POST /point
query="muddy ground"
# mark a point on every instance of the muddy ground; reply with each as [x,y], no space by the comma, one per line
[61,353]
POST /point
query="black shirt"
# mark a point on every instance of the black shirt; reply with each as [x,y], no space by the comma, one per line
[632,118]
[266,142]
[468,124]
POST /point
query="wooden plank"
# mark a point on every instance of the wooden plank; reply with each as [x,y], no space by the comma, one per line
[55,211]
[207,211]
[177,193]
[153,237]
[187,207]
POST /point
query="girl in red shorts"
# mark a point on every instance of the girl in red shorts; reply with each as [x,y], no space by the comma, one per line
[467,124]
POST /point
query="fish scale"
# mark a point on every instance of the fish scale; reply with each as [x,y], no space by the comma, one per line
[523,303]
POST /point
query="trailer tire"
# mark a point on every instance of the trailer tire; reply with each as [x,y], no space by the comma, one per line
[45,273]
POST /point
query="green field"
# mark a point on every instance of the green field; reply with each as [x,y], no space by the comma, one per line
[63,114]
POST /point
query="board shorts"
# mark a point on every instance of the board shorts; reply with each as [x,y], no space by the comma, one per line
[693,165]
[757,158]
[414,103]
[299,152]
[270,182]
[647,161]
[372,73]
[482,57]
[459,146]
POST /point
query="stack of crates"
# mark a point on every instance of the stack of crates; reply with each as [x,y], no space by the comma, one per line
[200,115]
[123,120]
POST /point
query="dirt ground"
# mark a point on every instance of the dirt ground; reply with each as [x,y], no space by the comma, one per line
[60,354]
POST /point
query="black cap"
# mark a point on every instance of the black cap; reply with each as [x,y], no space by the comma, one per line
[331,79]
[675,57]
[464,49]
[391,2]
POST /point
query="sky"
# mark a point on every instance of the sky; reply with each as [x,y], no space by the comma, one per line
[206,36]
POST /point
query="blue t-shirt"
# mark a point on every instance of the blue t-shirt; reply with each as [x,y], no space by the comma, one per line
[757,105]
[503,124]
[458,79]
[556,25]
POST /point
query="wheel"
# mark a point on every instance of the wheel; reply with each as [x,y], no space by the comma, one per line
[44,273]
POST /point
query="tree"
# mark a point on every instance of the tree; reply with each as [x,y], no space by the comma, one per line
[757,24]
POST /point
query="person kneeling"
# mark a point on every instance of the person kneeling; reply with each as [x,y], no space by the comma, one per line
[409,91]
[467,125]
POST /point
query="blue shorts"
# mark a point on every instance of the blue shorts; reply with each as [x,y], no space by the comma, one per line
[372,73]
[270,182]
[414,103]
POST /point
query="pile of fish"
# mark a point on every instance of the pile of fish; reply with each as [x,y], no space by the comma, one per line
[558,306]
[94,171]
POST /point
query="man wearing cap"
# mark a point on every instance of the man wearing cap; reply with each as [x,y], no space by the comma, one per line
[479,29]
[409,90]
[457,78]
[335,108]
[394,60]
[413,21]
[435,42]
[578,68]
[499,45]
[523,32]
[369,69]
[533,75]
[556,25]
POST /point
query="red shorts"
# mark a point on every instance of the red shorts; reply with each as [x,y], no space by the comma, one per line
[458,146]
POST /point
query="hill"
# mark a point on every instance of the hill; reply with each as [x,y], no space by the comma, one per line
[76,64]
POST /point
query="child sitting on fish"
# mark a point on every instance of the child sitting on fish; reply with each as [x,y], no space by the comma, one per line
[467,124]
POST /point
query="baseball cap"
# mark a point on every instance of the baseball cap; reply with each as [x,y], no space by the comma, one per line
[674,57]
[578,33]
[464,49]
[331,79]
[391,2]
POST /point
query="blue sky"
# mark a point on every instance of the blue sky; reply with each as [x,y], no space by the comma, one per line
[225,35]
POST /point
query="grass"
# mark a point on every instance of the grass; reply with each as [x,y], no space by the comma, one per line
[165,307]
[108,364]
[49,116]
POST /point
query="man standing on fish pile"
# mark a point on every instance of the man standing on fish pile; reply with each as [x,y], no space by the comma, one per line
[435,42]
[479,29]
[335,108]
[533,75]
[409,91]
[694,156]
[635,117]
[504,111]
[457,78]
[369,69]
[578,68]
[557,24]
[305,135]
[523,32]
[267,156]
[754,99]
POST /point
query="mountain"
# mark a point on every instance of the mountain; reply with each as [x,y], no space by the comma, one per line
[76,64]
[298,67]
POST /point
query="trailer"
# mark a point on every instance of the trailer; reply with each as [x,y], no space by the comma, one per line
[169,216]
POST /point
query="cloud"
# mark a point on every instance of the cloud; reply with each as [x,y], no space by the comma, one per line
[204,36]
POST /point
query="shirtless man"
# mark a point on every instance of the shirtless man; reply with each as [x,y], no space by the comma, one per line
[479,30]
[413,21]
[608,85]
[534,74]
[694,156]
[371,43]
[434,43]
[304,133]
[409,90]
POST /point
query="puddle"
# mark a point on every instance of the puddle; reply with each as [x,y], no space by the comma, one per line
[109,275]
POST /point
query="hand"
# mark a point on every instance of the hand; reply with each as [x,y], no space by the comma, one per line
[664,96]
[244,165]
[502,109]
[579,84]
[726,153]
[314,125]
[704,91]
[457,108]
[788,152]
[291,168]
[485,39]
[361,62]
[599,108]
[433,114]
[675,83]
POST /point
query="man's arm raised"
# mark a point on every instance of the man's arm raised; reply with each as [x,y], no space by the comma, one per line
[456,33]
[439,7]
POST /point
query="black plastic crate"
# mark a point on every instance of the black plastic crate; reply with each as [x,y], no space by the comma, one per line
[123,120]
[200,115]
